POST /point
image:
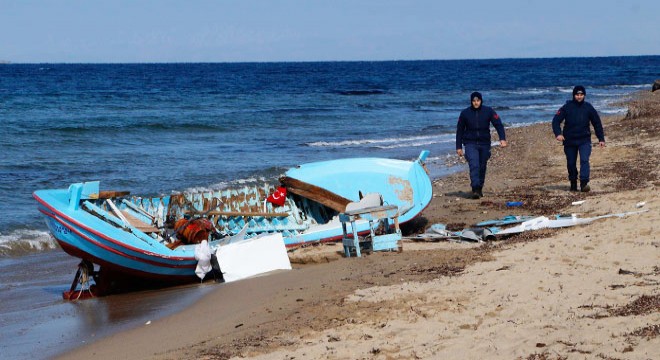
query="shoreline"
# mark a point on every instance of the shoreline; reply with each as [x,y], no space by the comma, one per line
[435,299]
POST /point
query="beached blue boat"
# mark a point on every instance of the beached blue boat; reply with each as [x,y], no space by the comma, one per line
[154,237]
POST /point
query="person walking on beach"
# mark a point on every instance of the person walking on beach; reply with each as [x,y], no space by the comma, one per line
[473,132]
[577,114]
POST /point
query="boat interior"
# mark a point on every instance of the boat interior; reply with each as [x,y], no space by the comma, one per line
[229,211]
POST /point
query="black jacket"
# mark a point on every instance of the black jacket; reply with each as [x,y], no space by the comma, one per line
[577,116]
[474,126]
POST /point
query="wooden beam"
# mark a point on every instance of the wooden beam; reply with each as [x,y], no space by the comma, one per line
[139,224]
[110,194]
[315,193]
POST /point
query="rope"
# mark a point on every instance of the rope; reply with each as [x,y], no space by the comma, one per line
[84,281]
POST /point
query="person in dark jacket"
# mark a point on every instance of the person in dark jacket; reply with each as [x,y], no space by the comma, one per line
[577,114]
[473,132]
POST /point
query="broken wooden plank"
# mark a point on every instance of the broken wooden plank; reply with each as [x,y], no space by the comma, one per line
[315,193]
[108,194]
[137,223]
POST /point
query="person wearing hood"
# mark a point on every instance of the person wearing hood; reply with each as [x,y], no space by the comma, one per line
[473,133]
[577,114]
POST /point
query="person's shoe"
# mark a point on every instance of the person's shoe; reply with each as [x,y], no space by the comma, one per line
[574,185]
[584,186]
[480,191]
[475,193]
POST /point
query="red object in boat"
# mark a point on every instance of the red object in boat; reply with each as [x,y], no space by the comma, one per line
[193,231]
[278,197]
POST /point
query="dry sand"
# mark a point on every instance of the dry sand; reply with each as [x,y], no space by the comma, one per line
[588,292]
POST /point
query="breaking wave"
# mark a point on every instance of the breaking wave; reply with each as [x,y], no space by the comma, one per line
[251,181]
[611,111]
[21,242]
[530,91]
[520,124]
[265,176]
[547,107]
[638,86]
[388,143]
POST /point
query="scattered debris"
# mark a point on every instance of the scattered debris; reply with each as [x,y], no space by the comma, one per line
[649,332]
[492,229]
[506,220]
[628,272]
[643,305]
[542,222]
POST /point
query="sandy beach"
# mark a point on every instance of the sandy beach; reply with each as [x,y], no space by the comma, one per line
[584,292]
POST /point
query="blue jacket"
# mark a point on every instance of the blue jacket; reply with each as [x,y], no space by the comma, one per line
[577,116]
[474,126]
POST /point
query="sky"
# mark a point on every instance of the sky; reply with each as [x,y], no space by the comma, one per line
[124,31]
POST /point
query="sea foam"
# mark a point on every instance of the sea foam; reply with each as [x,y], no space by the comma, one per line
[25,241]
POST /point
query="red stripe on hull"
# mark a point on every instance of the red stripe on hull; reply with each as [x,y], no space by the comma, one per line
[101,235]
[115,251]
[173,279]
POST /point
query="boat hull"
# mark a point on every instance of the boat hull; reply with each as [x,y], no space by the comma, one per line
[108,247]
[95,228]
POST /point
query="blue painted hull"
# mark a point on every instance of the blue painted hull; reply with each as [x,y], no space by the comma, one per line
[87,237]
[402,183]
[99,237]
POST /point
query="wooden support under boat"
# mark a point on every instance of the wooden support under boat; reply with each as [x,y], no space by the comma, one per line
[83,275]
[318,194]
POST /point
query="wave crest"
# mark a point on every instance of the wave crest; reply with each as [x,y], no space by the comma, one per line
[387,143]
[25,241]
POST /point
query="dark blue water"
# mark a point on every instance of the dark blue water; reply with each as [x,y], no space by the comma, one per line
[155,128]
[158,128]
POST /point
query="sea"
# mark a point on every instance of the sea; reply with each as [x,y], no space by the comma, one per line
[163,128]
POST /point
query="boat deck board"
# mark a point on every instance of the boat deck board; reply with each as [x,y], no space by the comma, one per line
[139,224]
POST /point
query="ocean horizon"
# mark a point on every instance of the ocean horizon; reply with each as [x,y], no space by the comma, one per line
[8,62]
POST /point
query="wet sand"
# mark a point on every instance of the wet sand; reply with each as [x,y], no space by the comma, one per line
[582,292]
[35,323]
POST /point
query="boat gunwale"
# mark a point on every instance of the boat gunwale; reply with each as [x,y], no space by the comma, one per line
[114,241]
[110,249]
